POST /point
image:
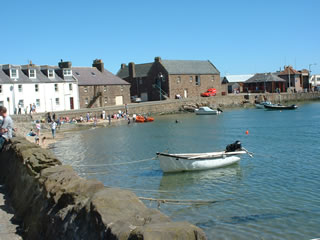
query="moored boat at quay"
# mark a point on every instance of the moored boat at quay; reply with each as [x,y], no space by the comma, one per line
[280,107]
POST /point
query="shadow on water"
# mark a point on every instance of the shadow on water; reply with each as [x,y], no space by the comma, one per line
[175,181]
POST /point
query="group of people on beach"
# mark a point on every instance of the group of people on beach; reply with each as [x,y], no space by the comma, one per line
[31,109]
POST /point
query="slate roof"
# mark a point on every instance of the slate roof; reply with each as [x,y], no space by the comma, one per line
[141,70]
[23,78]
[189,67]
[264,77]
[88,76]
[238,78]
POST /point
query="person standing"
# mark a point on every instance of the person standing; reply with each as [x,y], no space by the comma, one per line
[53,128]
[19,109]
[6,126]
[38,127]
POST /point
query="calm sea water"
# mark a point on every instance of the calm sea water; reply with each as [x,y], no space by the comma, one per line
[275,195]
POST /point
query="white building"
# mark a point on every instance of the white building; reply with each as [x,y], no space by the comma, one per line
[49,88]
[315,80]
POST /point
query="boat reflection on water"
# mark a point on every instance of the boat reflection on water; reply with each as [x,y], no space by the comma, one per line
[177,181]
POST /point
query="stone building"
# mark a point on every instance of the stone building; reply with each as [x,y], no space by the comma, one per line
[163,79]
[295,80]
[99,87]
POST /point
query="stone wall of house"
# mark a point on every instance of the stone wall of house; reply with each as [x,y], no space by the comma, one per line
[53,202]
[108,95]
[180,83]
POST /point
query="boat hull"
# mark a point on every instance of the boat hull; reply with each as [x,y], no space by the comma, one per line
[177,164]
[214,112]
[280,107]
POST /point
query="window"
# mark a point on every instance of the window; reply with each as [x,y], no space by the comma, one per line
[67,72]
[56,87]
[105,88]
[212,80]
[36,87]
[78,74]
[70,86]
[50,73]
[20,88]
[86,101]
[14,73]
[0,88]
[57,101]
[121,88]
[21,103]
[32,73]
[38,102]
[93,74]
[178,79]
[140,81]
[1,103]
[105,100]
[198,80]
[85,89]
[318,79]
[191,79]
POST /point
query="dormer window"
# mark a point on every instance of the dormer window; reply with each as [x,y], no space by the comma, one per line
[67,72]
[50,73]
[14,73]
[32,73]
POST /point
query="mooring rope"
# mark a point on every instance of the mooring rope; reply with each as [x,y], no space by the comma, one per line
[181,201]
[114,164]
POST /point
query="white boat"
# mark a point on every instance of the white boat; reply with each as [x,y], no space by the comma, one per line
[206,111]
[199,161]
[261,105]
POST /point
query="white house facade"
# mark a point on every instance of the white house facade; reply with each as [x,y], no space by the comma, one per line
[315,80]
[48,88]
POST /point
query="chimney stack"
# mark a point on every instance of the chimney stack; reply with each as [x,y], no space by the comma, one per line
[64,64]
[98,64]
[123,65]
[132,70]
[157,59]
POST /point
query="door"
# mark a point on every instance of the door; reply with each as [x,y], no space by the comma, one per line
[119,100]
[144,97]
[71,103]
[185,93]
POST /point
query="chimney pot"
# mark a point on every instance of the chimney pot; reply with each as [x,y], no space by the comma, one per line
[98,64]
[157,59]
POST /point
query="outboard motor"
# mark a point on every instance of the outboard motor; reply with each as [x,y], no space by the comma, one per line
[234,146]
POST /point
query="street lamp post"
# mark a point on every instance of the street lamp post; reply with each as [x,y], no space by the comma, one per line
[160,77]
[311,64]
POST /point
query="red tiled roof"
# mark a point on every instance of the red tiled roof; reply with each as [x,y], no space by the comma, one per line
[288,70]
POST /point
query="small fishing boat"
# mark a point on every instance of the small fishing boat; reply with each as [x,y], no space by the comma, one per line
[280,107]
[201,161]
[260,105]
[206,111]
[144,119]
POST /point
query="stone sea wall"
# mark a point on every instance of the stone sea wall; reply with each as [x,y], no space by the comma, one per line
[53,202]
[176,105]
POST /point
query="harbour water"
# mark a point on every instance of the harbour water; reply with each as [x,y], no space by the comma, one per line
[275,195]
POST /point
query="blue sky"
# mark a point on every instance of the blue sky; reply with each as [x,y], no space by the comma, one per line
[239,37]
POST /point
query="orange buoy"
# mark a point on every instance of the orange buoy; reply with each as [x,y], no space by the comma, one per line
[247,132]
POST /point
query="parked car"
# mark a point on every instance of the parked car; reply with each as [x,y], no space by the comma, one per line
[135,99]
[209,92]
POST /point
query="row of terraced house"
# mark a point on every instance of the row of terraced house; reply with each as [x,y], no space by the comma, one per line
[64,87]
